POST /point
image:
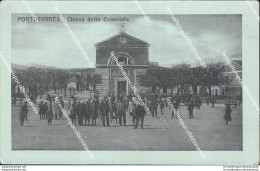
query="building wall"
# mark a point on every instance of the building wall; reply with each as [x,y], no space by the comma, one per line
[103,88]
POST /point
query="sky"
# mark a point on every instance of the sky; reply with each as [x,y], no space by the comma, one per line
[49,44]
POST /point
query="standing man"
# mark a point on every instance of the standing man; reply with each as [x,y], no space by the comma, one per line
[110,109]
[140,112]
[121,111]
[45,109]
[73,115]
[41,110]
[23,113]
[74,103]
[95,106]
[198,102]
[125,102]
[227,116]
[213,101]
[62,105]
[154,106]
[87,112]
[131,109]
[54,108]
[101,109]
[207,100]
[49,115]
[69,103]
[113,98]
[161,106]
[77,110]
[191,107]
[82,110]
[175,106]
[105,112]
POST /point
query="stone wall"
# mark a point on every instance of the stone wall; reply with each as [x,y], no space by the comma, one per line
[103,88]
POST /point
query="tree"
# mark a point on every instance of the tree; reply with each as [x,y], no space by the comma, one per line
[153,77]
[64,80]
[195,79]
[212,75]
[228,85]
[22,78]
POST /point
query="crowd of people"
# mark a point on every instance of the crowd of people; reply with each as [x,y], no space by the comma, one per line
[111,108]
[86,112]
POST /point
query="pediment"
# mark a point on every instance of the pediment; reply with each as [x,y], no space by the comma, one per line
[123,39]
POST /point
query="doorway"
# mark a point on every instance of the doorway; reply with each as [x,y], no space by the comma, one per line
[121,88]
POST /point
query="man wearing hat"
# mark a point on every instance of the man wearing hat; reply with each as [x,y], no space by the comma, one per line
[95,106]
[23,113]
[140,112]
[104,109]
[121,111]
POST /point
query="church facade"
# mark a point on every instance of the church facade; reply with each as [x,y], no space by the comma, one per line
[132,53]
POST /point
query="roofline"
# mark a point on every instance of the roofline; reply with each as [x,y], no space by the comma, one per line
[147,44]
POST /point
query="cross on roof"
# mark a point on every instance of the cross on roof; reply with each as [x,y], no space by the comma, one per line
[122,29]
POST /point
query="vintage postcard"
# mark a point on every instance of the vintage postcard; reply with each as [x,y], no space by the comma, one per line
[129,82]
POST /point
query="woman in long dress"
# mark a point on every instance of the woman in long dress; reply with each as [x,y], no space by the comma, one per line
[228,114]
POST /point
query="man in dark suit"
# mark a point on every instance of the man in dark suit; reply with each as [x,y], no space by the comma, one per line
[95,107]
[41,110]
[104,109]
[82,109]
[191,104]
[121,111]
[87,112]
[23,113]
[140,112]
[62,105]
[154,106]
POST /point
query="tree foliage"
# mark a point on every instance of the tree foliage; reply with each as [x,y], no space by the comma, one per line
[182,76]
[38,80]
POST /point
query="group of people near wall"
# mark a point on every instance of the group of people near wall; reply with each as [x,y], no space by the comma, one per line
[108,109]
[86,112]
[111,108]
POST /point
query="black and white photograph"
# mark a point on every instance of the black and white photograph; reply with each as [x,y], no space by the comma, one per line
[127,82]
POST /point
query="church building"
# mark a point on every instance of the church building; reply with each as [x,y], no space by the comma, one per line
[132,53]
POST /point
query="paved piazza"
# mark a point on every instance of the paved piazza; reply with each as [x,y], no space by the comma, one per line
[163,133]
